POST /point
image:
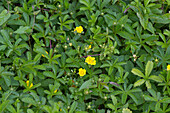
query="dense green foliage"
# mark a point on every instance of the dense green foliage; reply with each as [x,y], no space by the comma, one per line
[43,52]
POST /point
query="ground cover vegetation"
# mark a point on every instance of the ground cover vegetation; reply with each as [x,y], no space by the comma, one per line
[84,56]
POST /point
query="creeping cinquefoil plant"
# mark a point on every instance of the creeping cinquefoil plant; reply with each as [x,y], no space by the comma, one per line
[84,56]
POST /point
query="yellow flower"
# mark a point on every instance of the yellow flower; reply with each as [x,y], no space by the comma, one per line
[46,52]
[0,88]
[82,72]
[168,67]
[89,47]
[60,109]
[126,110]
[55,91]
[90,60]
[79,29]
[27,82]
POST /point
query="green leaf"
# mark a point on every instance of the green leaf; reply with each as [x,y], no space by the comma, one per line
[124,98]
[155,78]
[114,100]
[137,72]
[81,112]
[126,35]
[16,22]
[11,109]
[148,84]
[111,106]
[86,84]
[149,98]
[139,82]
[22,30]
[104,3]
[49,74]
[29,101]
[133,97]
[30,111]
[41,67]
[85,2]
[40,17]
[26,17]
[165,100]
[143,20]
[4,105]
[146,2]
[148,68]
[73,107]
[152,92]
[4,16]
[47,108]
[7,80]
[123,20]
[168,2]
[6,38]
[109,19]
[3,47]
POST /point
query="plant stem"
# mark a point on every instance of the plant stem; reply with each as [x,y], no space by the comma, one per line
[50,44]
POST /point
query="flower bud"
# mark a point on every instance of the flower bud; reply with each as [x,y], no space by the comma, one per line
[134,56]
[86,92]
[88,107]
[105,97]
[70,44]
[11,33]
[156,60]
